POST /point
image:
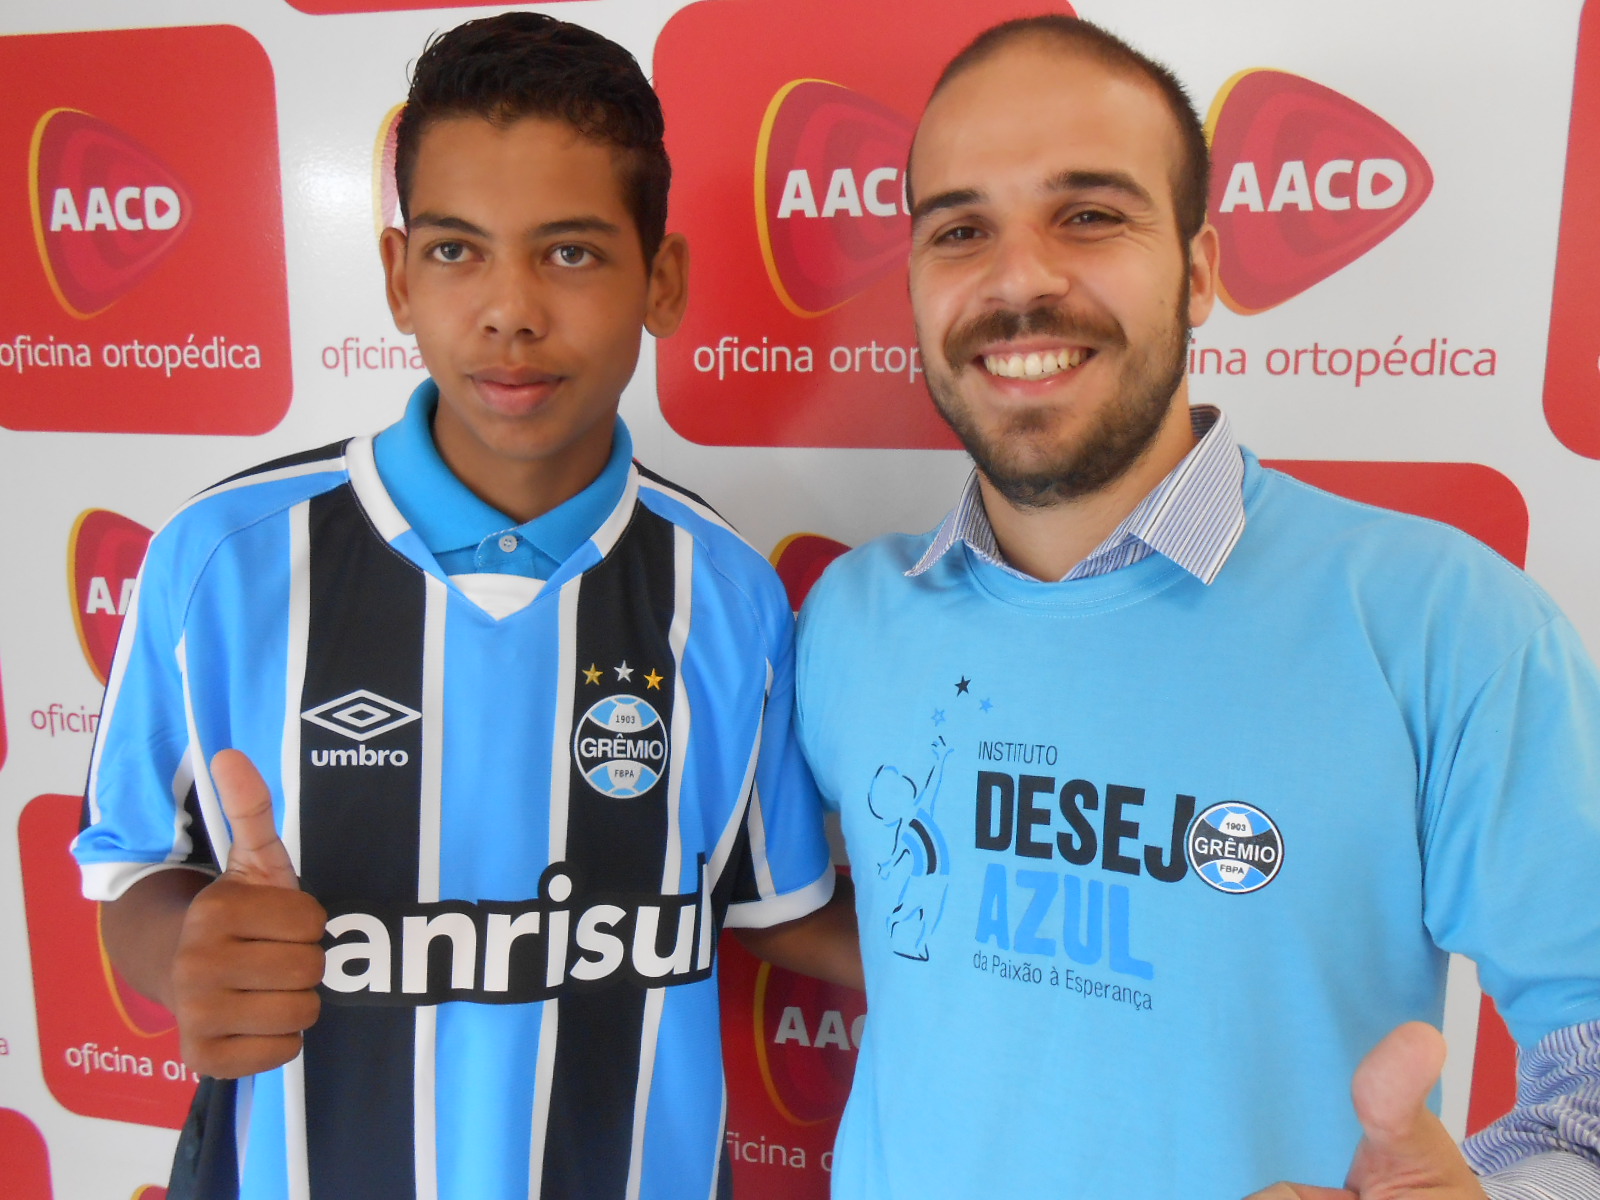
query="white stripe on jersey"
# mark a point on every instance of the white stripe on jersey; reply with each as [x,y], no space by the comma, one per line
[698,507]
[210,806]
[297,1165]
[611,528]
[424,1073]
[369,490]
[677,641]
[430,848]
[560,785]
[736,821]
[297,1162]
[672,856]
[295,673]
[654,1001]
[436,600]
[722,1126]
[544,1077]
[334,462]
[758,846]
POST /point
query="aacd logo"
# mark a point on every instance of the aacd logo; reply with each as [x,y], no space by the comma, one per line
[1304,182]
[148,294]
[97,240]
[104,552]
[789,127]
[820,141]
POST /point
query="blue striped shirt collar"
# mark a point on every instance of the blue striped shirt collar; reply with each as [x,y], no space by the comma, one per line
[1194,517]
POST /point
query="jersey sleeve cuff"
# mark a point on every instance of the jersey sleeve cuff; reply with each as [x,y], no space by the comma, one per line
[775,910]
[107,881]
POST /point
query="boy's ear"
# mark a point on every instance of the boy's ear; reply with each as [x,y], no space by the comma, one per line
[392,249]
[668,293]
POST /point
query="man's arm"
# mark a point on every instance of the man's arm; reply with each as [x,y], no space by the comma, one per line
[237,959]
[824,943]
[1549,1144]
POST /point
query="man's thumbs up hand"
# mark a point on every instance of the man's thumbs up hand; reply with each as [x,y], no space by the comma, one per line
[1405,1152]
[249,957]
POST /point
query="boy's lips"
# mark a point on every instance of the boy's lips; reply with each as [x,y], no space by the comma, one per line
[513,392]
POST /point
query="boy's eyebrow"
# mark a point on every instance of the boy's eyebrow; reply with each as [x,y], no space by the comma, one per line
[577,225]
[441,221]
[548,229]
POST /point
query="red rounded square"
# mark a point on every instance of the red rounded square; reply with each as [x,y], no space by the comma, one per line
[148,291]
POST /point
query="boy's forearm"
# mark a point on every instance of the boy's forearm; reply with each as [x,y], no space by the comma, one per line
[824,943]
[141,929]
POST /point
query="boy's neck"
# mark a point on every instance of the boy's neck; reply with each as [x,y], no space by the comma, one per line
[522,488]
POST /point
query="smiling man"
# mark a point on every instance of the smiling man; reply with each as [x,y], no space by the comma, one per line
[489,726]
[1222,766]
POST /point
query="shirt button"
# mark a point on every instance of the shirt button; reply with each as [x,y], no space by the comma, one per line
[508,543]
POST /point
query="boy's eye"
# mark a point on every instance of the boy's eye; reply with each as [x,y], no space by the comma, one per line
[450,252]
[572,256]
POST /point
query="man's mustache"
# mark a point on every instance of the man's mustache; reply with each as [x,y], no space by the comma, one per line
[1006,325]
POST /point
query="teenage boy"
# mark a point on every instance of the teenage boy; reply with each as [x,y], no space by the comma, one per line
[498,722]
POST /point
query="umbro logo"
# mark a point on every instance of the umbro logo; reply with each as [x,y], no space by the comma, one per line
[361,715]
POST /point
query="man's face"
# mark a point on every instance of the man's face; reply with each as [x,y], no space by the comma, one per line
[522,277]
[1049,281]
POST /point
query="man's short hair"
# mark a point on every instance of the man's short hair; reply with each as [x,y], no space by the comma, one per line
[522,64]
[1191,179]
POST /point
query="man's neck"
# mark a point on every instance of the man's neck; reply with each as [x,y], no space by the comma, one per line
[1047,543]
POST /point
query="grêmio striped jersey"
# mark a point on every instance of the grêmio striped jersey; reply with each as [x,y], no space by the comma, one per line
[527,829]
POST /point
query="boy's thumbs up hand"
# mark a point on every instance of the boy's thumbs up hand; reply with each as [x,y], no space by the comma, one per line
[249,957]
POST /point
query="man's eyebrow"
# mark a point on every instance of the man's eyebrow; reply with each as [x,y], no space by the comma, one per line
[957,198]
[1098,181]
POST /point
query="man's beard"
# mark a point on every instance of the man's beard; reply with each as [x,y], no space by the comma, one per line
[1120,432]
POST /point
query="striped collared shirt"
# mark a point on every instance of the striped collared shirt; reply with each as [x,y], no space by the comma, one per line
[1195,516]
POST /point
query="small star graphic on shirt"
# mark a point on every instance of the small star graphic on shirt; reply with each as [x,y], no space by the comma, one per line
[592,674]
[961,688]
[938,716]
[985,705]
[624,671]
[654,680]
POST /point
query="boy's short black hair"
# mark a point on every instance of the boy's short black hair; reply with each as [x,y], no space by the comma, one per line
[522,64]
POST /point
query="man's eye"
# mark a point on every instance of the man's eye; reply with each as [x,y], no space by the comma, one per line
[572,256]
[960,233]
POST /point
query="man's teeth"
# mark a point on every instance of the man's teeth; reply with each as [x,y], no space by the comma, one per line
[1033,366]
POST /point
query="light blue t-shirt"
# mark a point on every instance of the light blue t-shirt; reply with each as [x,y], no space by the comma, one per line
[1144,867]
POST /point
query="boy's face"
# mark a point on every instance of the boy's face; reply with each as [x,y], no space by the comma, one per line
[522,277]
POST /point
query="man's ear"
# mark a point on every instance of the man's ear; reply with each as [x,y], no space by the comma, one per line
[392,249]
[668,294]
[1204,255]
